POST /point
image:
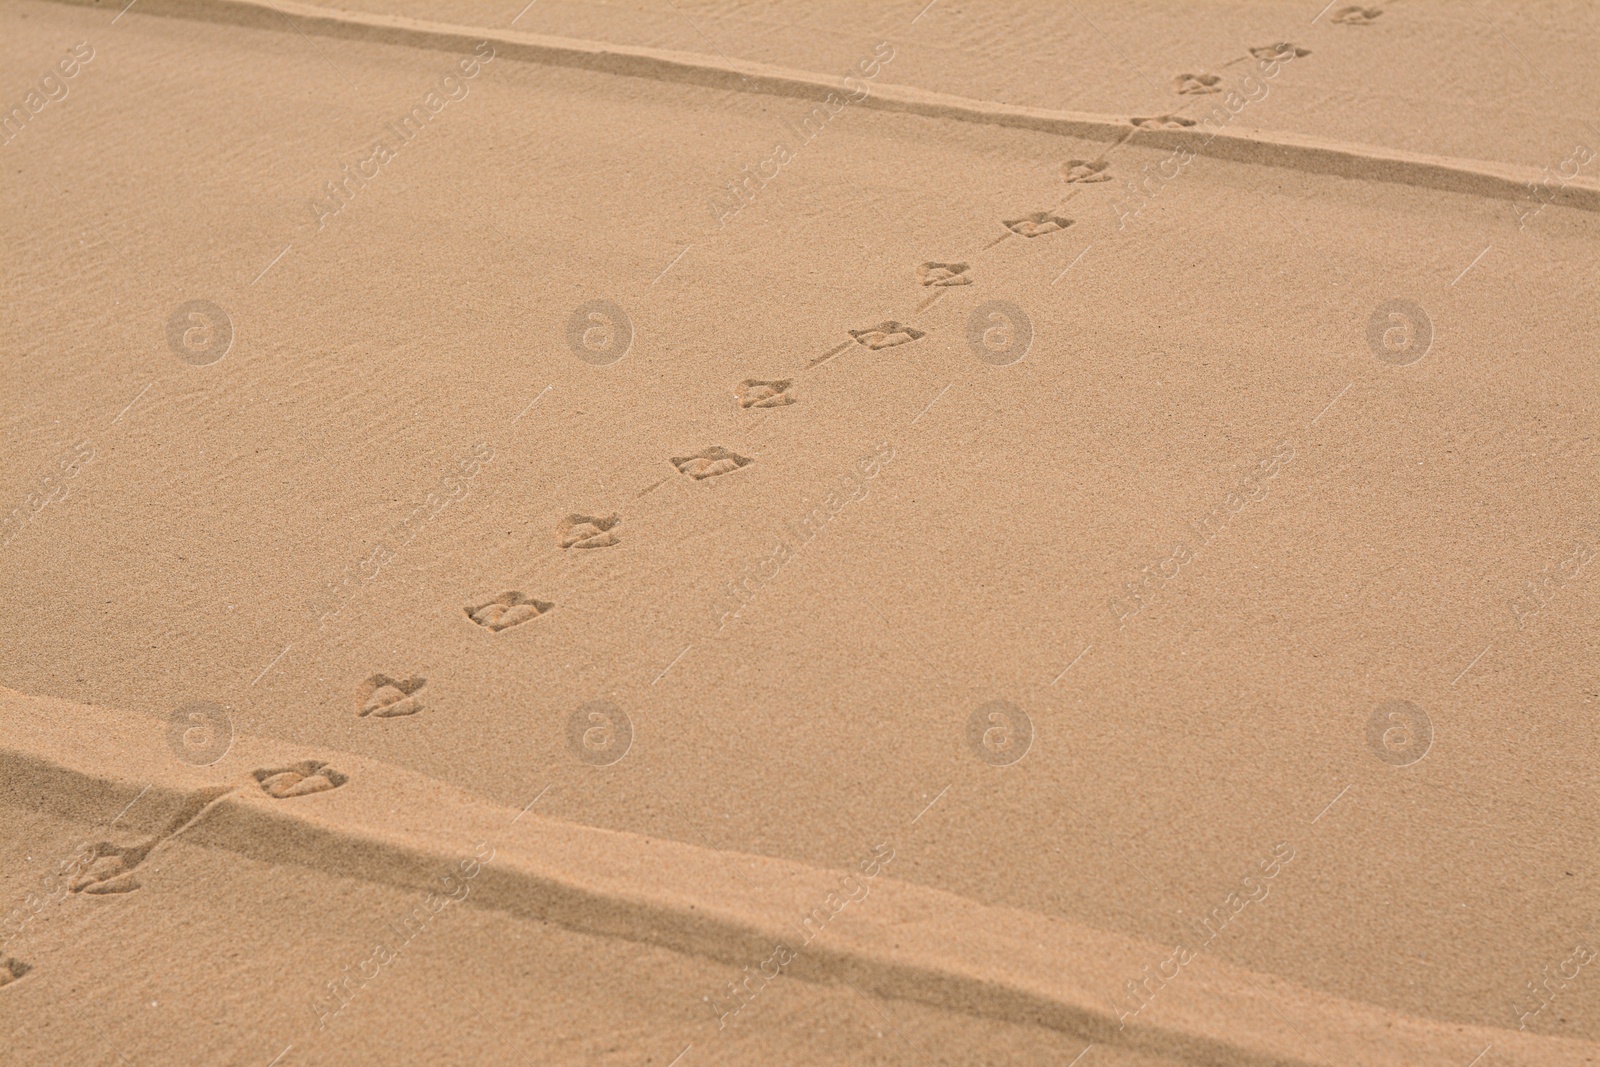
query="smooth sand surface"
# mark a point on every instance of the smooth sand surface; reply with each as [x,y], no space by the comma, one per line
[1221,516]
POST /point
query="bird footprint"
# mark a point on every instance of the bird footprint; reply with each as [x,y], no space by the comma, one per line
[1037,224]
[388,697]
[710,462]
[507,610]
[1085,170]
[1196,84]
[886,335]
[943,274]
[1356,16]
[753,393]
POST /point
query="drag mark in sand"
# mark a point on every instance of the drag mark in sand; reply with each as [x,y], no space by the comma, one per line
[108,868]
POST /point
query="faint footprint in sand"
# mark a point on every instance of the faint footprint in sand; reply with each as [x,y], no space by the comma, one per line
[1196,84]
[387,697]
[1279,50]
[710,462]
[507,610]
[298,780]
[1163,122]
[943,274]
[1037,224]
[886,334]
[1356,16]
[1085,170]
[589,531]
[753,393]
[11,969]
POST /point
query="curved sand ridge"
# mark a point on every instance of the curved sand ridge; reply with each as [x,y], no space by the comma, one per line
[355,818]
[1247,145]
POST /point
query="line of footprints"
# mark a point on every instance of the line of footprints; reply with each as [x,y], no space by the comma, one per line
[384,697]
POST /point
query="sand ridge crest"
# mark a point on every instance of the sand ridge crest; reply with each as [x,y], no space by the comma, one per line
[1239,144]
[353,817]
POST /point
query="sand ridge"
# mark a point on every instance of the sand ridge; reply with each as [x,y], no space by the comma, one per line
[1268,148]
[343,814]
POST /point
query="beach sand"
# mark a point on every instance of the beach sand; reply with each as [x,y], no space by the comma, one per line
[1086,570]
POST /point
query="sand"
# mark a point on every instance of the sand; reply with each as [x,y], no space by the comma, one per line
[1025,580]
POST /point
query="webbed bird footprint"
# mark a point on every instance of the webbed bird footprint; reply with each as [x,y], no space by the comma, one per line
[507,610]
[943,274]
[1356,16]
[710,462]
[301,779]
[1163,122]
[1279,50]
[589,531]
[1086,170]
[886,335]
[110,869]
[754,393]
[1196,84]
[11,969]
[1037,224]
[388,697]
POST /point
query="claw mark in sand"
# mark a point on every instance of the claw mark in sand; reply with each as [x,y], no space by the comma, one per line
[710,462]
[886,335]
[753,393]
[388,697]
[111,867]
[931,273]
[507,610]
[590,531]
